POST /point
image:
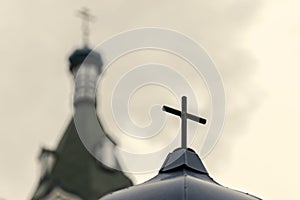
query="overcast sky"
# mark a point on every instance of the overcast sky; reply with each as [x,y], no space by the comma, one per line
[255,45]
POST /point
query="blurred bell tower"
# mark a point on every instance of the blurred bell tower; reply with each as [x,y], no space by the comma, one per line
[70,171]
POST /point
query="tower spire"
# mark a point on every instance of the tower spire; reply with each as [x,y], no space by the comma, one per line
[86,17]
[184,115]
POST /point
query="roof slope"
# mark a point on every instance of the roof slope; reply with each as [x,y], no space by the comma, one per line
[78,172]
[182,177]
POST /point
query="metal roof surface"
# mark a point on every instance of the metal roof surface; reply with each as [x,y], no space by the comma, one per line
[182,177]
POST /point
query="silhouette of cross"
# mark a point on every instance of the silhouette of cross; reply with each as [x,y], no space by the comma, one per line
[86,17]
[184,115]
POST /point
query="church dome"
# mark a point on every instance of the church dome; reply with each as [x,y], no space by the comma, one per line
[182,177]
[84,54]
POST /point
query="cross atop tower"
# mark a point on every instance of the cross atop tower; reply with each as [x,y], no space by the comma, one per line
[86,17]
[184,115]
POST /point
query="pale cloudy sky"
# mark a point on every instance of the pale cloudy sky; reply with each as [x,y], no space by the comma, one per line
[255,44]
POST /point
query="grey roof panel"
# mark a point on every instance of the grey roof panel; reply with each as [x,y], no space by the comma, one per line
[182,177]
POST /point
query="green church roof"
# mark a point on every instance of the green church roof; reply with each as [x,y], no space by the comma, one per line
[77,172]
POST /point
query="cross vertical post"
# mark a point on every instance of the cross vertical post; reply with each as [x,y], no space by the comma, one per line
[184,115]
[183,122]
[86,17]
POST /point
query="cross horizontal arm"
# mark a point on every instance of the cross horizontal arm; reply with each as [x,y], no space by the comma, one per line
[171,110]
[196,119]
[189,116]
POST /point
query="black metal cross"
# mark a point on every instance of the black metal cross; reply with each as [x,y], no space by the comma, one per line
[184,116]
